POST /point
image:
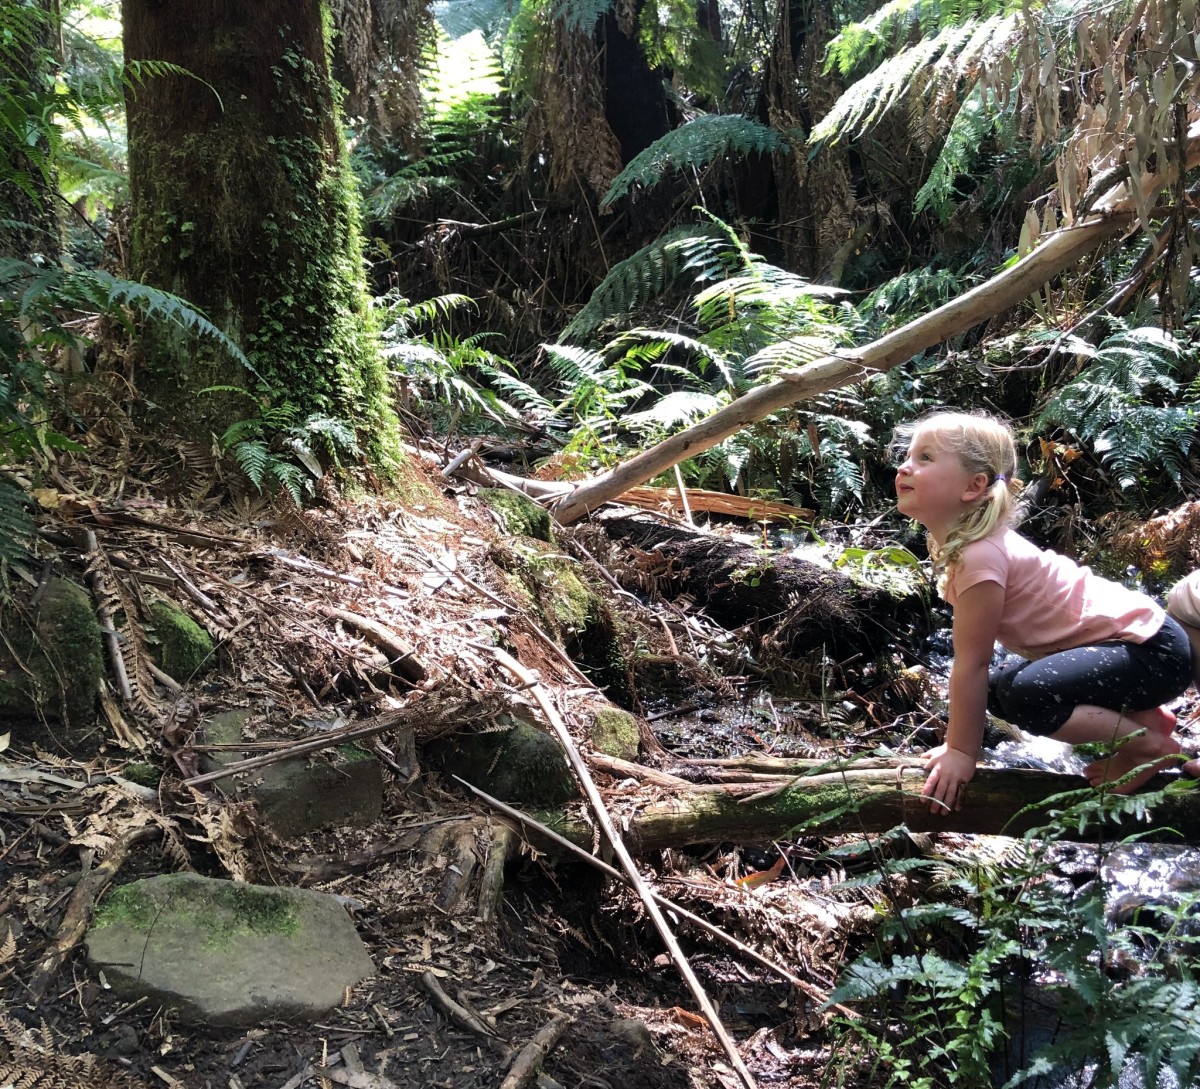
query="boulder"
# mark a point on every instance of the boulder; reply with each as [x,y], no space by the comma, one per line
[51,662]
[181,647]
[331,788]
[227,954]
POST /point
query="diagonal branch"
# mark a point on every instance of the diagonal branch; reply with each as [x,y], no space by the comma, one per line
[1114,213]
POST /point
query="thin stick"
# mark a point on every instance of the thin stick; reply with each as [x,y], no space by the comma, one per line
[529,1059]
[627,864]
[335,737]
[79,907]
[462,1017]
[815,993]
[683,496]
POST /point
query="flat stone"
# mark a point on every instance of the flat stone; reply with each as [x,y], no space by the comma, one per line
[340,786]
[225,953]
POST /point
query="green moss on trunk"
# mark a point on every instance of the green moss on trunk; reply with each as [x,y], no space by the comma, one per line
[244,203]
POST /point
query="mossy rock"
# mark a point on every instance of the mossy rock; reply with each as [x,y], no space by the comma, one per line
[615,733]
[519,514]
[182,649]
[51,665]
[520,764]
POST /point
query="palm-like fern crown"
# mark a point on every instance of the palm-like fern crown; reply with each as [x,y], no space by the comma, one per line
[962,68]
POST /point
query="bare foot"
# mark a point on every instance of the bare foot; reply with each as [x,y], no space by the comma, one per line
[1151,752]
[1156,718]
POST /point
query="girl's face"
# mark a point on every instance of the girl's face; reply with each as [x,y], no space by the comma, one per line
[933,486]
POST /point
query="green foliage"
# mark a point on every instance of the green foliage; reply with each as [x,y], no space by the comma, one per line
[17,530]
[924,69]
[280,451]
[442,374]
[707,250]
[942,988]
[975,120]
[893,25]
[1121,404]
[691,147]
[581,15]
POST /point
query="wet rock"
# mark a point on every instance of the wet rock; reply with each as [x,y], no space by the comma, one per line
[227,954]
[335,787]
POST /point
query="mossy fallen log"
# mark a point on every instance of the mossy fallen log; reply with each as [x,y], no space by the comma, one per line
[999,801]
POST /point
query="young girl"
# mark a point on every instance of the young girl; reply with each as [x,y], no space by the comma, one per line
[1096,660]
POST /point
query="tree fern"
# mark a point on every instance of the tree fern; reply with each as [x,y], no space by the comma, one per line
[924,68]
[1110,406]
[694,145]
[581,15]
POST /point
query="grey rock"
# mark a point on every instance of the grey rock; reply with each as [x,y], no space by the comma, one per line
[227,954]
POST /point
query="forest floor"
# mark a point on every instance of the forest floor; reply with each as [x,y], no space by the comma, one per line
[440,574]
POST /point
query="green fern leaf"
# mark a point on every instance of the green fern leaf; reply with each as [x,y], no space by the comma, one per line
[17,531]
[691,146]
[581,15]
[651,271]
[253,458]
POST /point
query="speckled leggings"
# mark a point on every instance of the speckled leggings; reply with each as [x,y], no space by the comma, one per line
[1039,696]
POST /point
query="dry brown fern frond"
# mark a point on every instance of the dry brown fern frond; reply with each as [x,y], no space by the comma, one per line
[1164,548]
[29,1060]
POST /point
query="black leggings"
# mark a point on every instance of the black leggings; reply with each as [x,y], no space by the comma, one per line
[1039,696]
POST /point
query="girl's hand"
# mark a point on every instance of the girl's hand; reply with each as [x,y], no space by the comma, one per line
[949,772]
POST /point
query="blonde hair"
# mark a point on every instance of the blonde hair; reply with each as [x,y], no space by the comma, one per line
[984,444]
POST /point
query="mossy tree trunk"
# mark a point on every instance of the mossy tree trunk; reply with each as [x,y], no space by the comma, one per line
[243,203]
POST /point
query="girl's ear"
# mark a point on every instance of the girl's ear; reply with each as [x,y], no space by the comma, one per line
[976,487]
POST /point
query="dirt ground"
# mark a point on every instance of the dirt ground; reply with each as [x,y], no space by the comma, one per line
[559,942]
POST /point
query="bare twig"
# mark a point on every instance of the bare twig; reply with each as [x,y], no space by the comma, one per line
[402,658]
[111,640]
[389,721]
[627,864]
[461,1016]
[529,1059]
[79,906]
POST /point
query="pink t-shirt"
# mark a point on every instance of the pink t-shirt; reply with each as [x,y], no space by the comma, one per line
[1050,602]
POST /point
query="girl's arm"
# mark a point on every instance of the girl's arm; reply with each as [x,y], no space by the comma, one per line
[951,766]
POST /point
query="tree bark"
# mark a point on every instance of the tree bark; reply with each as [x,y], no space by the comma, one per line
[997,802]
[243,203]
[1053,256]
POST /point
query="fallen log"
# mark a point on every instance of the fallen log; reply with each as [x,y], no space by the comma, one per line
[999,801]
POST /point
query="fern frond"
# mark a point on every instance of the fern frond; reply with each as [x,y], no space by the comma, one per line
[787,354]
[693,145]
[676,410]
[458,18]
[927,67]
[17,531]
[646,346]
[967,131]
[253,457]
[1108,404]
[650,271]
[581,15]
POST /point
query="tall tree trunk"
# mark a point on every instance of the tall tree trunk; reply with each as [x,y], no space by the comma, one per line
[243,203]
